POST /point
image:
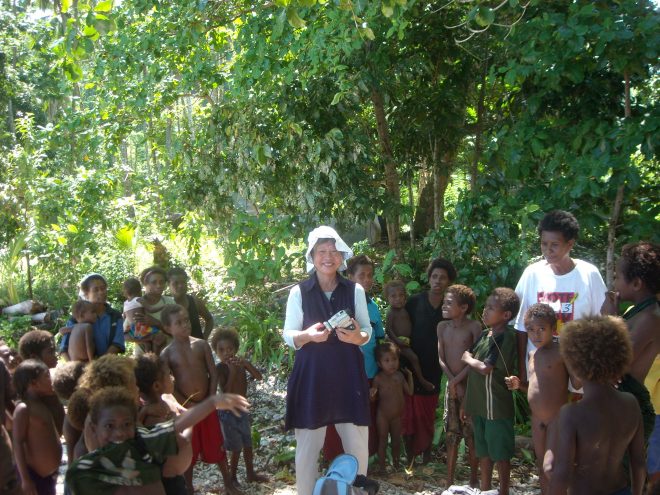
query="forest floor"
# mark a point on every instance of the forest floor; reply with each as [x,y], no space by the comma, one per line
[274,457]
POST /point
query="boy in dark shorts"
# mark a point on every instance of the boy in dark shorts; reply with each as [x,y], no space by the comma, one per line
[232,378]
[129,459]
[191,362]
[596,432]
[37,444]
[456,335]
[488,401]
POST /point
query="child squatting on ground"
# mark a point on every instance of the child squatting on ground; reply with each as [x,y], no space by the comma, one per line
[596,432]
[388,388]
[232,378]
[399,327]
[128,459]
[488,401]
[37,446]
[455,336]
[547,390]
[195,378]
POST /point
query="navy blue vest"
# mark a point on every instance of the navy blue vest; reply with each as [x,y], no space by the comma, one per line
[328,384]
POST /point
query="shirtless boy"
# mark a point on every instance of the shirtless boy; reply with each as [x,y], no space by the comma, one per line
[37,444]
[232,378]
[456,335]
[153,379]
[600,429]
[637,279]
[195,378]
[388,388]
[39,345]
[547,391]
[9,484]
[81,342]
[122,466]
[399,327]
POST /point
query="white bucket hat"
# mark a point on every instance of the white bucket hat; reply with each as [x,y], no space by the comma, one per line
[325,232]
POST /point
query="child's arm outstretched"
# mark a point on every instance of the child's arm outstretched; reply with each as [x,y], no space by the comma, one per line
[228,402]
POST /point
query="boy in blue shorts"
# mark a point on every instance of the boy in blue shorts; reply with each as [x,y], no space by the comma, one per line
[488,401]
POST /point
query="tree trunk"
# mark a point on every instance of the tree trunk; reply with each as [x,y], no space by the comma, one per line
[478,133]
[618,203]
[441,174]
[391,174]
[411,202]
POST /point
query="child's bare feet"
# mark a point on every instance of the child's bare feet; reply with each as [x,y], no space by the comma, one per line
[255,477]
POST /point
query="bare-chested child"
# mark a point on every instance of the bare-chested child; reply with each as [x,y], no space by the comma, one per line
[195,378]
[81,341]
[547,390]
[9,483]
[388,388]
[153,379]
[456,335]
[597,431]
[232,378]
[37,446]
[39,345]
[128,458]
[637,279]
[399,327]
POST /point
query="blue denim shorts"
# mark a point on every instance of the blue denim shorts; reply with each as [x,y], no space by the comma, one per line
[235,430]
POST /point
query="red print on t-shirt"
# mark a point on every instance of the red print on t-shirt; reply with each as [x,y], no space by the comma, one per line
[562,302]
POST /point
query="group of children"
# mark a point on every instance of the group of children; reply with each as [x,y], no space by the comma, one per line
[132,425]
[130,428]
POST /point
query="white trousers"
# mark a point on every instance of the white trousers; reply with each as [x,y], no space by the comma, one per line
[355,440]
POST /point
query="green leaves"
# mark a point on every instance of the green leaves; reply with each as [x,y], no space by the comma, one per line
[484,16]
[294,19]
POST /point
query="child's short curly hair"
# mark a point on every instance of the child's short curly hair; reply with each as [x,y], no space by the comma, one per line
[111,397]
[27,372]
[149,368]
[393,285]
[541,311]
[168,311]
[79,307]
[560,221]
[225,332]
[642,260]
[596,348]
[109,370]
[354,262]
[463,295]
[507,299]
[34,342]
[132,287]
[66,377]
[444,264]
[385,348]
[78,408]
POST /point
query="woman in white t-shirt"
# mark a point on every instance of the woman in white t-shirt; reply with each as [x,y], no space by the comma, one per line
[574,288]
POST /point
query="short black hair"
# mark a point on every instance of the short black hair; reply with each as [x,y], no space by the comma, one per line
[132,287]
[541,311]
[464,295]
[152,270]
[392,285]
[444,264]
[507,299]
[354,262]
[65,378]
[642,260]
[176,272]
[25,373]
[168,311]
[149,368]
[34,342]
[384,348]
[227,333]
[111,397]
[560,221]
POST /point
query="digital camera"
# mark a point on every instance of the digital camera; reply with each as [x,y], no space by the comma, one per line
[341,319]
